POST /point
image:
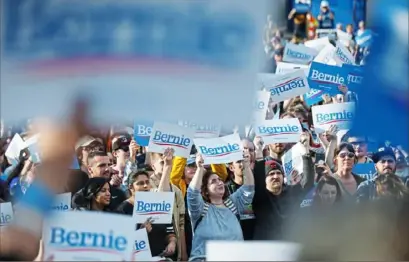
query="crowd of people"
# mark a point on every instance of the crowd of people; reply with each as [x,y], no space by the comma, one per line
[250,199]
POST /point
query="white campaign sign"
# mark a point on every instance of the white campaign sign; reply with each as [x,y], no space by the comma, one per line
[202,131]
[14,148]
[279,130]
[110,56]
[252,251]
[62,202]
[283,68]
[342,55]
[293,165]
[165,135]
[300,54]
[155,205]
[6,213]
[339,114]
[88,236]
[326,55]
[142,250]
[317,44]
[220,150]
[343,37]
[261,105]
[285,86]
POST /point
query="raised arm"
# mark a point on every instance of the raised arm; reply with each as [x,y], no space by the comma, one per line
[164,183]
[330,151]
[194,198]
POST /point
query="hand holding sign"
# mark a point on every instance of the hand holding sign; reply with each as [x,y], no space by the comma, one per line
[133,150]
[148,224]
[199,160]
[168,156]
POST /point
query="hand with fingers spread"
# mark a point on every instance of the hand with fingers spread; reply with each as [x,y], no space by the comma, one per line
[331,133]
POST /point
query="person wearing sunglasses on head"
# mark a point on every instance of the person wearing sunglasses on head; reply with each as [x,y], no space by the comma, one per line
[385,164]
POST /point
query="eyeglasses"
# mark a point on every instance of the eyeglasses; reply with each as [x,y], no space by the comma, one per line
[346,154]
[143,183]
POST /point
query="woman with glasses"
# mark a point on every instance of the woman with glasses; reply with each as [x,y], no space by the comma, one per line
[162,237]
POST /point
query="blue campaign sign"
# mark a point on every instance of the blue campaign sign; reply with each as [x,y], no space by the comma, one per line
[355,75]
[308,199]
[148,56]
[302,6]
[75,164]
[365,170]
[365,39]
[313,97]
[142,132]
[384,93]
[326,78]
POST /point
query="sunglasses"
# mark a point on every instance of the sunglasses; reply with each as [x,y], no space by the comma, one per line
[346,154]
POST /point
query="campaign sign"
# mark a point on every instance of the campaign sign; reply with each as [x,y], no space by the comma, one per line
[166,135]
[155,205]
[364,39]
[339,114]
[142,132]
[293,165]
[261,105]
[88,236]
[279,130]
[147,56]
[13,150]
[285,86]
[298,54]
[142,250]
[365,170]
[355,75]
[313,97]
[202,131]
[6,213]
[220,150]
[283,68]
[326,78]
[342,55]
[317,44]
[326,55]
[62,202]
[309,198]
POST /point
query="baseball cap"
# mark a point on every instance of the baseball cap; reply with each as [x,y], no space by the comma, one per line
[121,142]
[324,3]
[191,160]
[382,152]
[86,141]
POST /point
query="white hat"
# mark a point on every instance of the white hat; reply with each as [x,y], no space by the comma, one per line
[324,4]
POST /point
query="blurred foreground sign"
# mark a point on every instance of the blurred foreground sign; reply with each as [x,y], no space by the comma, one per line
[152,59]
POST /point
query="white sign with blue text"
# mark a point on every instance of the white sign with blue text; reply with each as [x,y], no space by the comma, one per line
[165,135]
[279,130]
[220,150]
[285,86]
[142,132]
[142,250]
[202,130]
[326,55]
[299,54]
[62,202]
[317,44]
[88,236]
[6,213]
[339,114]
[148,56]
[283,67]
[293,165]
[326,78]
[156,206]
[261,105]
[342,55]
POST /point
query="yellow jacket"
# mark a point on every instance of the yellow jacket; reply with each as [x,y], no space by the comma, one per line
[178,169]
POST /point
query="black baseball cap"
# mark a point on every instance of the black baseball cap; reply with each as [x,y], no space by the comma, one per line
[382,152]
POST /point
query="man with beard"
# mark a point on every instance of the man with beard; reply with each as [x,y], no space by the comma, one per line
[273,200]
[385,164]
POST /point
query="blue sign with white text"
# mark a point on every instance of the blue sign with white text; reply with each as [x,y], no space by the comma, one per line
[364,39]
[313,97]
[326,78]
[355,75]
[142,132]
[365,170]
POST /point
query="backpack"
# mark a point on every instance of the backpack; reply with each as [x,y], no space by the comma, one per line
[228,203]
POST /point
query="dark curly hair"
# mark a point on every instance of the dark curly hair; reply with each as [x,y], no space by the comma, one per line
[205,191]
[91,189]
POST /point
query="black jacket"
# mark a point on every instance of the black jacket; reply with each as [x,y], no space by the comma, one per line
[272,211]
[117,197]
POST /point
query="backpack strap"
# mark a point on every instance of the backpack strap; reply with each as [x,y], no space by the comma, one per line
[228,203]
